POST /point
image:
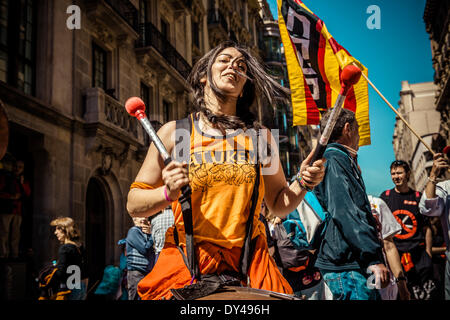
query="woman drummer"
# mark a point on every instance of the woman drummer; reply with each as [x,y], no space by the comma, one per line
[224,85]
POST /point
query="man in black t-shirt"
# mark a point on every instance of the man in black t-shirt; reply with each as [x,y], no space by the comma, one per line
[415,241]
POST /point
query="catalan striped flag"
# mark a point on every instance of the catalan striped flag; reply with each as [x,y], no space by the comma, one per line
[314,62]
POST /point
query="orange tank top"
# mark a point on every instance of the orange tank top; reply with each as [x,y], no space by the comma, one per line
[222,172]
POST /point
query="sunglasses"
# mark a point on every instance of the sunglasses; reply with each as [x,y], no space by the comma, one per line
[399,163]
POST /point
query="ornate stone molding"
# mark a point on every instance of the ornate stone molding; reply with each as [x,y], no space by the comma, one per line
[164,78]
[168,93]
[197,9]
[109,153]
[216,36]
[168,11]
[107,160]
[244,36]
[124,41]
[149,75]
[101,32]
[149,72]
[235,22]
[225,5]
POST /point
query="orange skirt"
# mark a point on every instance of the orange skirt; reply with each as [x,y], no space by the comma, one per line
[170,271]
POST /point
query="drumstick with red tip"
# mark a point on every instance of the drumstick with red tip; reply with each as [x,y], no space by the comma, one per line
[136,107]
[350,75]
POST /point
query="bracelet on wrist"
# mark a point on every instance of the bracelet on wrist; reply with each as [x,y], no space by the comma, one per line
[166,195]
[302,183]
[433,181]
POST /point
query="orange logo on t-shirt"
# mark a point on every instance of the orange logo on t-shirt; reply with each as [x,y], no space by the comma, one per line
[408,222]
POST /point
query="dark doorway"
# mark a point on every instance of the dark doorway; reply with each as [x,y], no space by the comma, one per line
[21,142]
[19,148]
[96,209]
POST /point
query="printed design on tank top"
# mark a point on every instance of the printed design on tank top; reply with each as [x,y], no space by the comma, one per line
[213,164]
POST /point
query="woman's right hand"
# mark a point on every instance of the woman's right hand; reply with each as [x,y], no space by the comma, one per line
[175,176]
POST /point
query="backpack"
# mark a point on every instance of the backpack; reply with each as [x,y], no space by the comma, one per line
[300,234]
[286,255]
[297,240]
[50,287]
[306,225]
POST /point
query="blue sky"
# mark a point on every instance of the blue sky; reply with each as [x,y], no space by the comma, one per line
[400,50]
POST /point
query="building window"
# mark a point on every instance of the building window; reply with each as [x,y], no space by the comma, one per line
[196,34]
[165,29]
[3,40]
[25,66]
[167,111]
[17,44]
[143,13]
[145,96]
[233,36]
[98,67]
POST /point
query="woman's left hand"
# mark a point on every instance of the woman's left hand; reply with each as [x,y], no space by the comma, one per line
[312,175]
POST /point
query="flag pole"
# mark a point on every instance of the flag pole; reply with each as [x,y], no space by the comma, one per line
[397,113]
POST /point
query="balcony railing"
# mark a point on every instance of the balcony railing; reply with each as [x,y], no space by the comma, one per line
[150,36]
[127,11]
[104,109]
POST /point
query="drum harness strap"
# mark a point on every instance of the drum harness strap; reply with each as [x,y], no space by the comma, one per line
[210,283]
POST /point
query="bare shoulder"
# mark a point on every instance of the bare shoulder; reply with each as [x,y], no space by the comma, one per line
[167,128]
[167,134]
[153,164]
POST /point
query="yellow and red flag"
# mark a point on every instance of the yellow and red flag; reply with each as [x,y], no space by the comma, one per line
[314,62]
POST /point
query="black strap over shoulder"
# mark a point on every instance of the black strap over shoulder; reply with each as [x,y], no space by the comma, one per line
[183,139]
[182,153]
[249,245]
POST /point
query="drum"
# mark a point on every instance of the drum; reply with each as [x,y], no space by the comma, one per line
[243,293]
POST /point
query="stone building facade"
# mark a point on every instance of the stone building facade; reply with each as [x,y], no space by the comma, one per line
[437,20]
[416,106]
[64,92]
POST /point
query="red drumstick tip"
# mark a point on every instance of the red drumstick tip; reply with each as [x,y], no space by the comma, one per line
[135,106]
[350,75]
[446,150]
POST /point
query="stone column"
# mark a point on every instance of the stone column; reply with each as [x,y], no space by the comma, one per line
[188,43]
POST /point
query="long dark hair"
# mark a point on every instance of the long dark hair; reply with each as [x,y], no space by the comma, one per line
[259,82]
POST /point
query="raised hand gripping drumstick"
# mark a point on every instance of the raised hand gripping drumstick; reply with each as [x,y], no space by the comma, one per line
[349,76]
[136,107]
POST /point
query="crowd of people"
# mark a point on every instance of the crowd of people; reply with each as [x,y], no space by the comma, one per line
[398,243]
[215,218]
[387,238]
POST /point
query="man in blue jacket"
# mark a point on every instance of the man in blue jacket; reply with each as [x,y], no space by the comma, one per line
[350,250]
[140,254]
